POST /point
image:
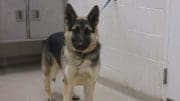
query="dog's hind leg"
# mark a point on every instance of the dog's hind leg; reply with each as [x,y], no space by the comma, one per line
[53,70]
[45,65]
[47,86]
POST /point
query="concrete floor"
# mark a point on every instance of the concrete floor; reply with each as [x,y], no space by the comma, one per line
[26,84]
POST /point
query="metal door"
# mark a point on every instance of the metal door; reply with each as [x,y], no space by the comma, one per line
[46,17]
[12,20]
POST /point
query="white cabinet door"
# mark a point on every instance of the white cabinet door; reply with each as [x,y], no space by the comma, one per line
[12,20]
[46,17]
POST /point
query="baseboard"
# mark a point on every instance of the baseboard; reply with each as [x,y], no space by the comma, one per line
[20,60]
[109,78]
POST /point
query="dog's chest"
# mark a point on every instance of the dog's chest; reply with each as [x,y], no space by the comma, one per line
[79,72]
[82,74]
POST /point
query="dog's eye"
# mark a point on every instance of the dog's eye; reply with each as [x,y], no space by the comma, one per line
[87,31]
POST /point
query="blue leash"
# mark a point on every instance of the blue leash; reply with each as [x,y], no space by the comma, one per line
[105,5]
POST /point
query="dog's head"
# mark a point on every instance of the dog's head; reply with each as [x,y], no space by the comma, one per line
[81,35]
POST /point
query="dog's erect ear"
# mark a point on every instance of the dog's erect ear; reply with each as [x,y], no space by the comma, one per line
[93,16]
[70,15]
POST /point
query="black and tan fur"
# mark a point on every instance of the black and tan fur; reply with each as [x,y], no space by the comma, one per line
[76,52]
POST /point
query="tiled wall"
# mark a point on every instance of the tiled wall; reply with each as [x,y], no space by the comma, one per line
[132,34]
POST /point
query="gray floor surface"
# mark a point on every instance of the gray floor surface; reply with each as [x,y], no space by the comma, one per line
[26,84]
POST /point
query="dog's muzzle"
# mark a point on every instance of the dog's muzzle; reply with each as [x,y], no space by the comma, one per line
[79,46]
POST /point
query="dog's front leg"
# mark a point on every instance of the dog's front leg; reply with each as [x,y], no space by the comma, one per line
[68,91]
[89,91]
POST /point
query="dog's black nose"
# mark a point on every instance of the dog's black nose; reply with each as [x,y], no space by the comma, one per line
[79,45]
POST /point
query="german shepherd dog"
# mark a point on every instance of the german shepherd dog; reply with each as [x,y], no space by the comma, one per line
[76,52]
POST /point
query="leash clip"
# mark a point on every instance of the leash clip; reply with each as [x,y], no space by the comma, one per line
[81,54]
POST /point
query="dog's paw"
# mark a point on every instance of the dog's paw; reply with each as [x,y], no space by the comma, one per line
[75,98]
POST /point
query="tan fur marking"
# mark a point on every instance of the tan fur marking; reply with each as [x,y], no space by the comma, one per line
[68,41]
[68,91]
[81,17]
[47,87]
[93,43]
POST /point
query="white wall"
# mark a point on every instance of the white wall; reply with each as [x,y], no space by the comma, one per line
[133,39]
[133,34]
[174,51]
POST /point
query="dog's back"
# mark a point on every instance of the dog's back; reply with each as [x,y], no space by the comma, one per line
[52,51]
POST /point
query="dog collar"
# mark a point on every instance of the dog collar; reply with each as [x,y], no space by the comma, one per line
[81,55]
[84,55]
